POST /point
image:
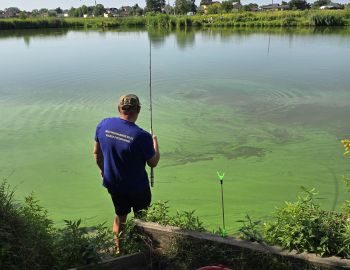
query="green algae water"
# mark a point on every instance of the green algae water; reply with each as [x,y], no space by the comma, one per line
[268,108]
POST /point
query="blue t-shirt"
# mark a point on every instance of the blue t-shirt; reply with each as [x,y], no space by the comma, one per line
[126,148]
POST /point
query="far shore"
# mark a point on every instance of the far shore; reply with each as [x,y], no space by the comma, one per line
[308,18]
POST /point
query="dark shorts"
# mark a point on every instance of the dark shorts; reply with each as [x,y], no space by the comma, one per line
[137,200]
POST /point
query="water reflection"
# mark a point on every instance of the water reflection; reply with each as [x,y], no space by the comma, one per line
[184,38]
[29,34]
[157,37]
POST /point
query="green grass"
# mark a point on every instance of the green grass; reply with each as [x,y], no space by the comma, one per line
[236,19]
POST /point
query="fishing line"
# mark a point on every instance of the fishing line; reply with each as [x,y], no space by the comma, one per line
[150,100]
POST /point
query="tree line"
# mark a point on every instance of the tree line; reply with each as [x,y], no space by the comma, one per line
[180,7]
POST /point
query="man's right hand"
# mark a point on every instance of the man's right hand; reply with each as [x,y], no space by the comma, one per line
[153,161]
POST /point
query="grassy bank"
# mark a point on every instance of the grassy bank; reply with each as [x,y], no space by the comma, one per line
[42,23]
[277,19]
[29,239]
[237,19]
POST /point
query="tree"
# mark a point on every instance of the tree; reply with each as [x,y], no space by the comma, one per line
[12,11]
[22,15]
[59,10]
[136,10]
[98,10]
[35,13]
[214,8]
[43,11]
[72,12]
[298,4]
[52,13]
[168,9]
[320,3]
[84,9]
[155,5]
[226,6]
[90,10]
[205,2]
[193,6]
[250,7]
[182,6]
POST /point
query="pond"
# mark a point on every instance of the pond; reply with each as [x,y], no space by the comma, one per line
[267,107]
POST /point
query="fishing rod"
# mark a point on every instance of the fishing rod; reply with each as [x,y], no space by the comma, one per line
[150,100]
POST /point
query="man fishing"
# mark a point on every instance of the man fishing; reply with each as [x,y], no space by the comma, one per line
[121,151]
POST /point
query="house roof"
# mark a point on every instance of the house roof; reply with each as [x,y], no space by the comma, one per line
[331,6]
[270,6]
[274,6]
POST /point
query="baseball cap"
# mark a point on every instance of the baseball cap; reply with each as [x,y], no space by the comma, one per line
[129,101]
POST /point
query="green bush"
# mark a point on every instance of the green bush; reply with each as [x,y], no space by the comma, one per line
[326,19]
[304,226]
[28,239]
[26,234]
[159,212]
[158,20]
[132,239]
[75,245]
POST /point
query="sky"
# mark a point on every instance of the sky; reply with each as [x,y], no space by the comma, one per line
[66,4]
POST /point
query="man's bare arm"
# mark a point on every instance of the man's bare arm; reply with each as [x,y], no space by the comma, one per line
[153,161]
[98,156]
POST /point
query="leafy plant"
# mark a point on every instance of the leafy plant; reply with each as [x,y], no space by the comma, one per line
[159,212]
[304,226]
[25,233]
[221,231]
[28,239]
[132,239]
[346,144]
[187,220]
[251,230]
[73,246]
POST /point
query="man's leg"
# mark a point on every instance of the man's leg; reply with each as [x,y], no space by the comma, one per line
[118,223]
[122,208]
[141,202]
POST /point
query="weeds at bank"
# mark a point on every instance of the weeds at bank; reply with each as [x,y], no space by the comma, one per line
[251,19]
[28,239]
[304,226]
[170,22]
[327,19]
[12,24]
[159,213]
